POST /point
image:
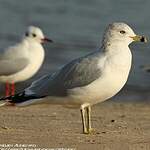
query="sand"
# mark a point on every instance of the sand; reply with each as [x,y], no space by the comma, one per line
[118,126]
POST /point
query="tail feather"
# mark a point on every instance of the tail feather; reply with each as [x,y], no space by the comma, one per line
[18,98]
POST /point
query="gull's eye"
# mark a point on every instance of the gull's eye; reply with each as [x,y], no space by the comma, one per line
[26,34]
[33,34]
[122,32]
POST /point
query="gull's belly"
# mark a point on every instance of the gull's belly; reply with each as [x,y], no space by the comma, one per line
[28,71]
[109,84]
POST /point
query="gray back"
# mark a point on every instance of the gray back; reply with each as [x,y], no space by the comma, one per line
[78,73]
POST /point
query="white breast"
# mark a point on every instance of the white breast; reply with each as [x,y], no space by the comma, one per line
[35,54]
[36,57]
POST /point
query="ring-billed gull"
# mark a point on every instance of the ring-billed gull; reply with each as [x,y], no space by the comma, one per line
[20,62]
[87,80]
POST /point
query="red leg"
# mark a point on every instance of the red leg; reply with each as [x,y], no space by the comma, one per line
[13,88]
[7,89]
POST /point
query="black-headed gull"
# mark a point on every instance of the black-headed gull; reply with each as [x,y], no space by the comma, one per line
[21,61]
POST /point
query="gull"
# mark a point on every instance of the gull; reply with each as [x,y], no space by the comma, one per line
[21,61]
[87,80]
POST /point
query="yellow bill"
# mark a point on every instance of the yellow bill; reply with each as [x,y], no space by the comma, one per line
[139,38]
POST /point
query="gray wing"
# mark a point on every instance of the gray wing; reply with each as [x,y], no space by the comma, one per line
[78,73]
[12,66]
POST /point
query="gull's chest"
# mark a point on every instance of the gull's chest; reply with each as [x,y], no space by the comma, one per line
[117,67]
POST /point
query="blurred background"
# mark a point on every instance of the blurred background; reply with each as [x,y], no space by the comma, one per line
[77,27]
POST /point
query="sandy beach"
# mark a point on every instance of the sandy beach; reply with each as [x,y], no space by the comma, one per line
[117,126]
[77,27]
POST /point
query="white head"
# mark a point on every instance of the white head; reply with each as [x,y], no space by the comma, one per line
[35,34]
[121,32]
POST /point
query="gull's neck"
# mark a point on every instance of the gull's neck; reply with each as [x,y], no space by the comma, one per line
[33,46]
[115,47]
[30,41]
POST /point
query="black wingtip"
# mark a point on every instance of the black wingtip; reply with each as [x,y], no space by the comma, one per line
[20,98]
[5,98]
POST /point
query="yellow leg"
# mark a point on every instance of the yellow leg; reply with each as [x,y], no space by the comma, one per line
[89,117]
[90,129]
[83,120]
[86,118]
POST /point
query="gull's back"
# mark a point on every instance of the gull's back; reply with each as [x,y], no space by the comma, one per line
[78,73]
